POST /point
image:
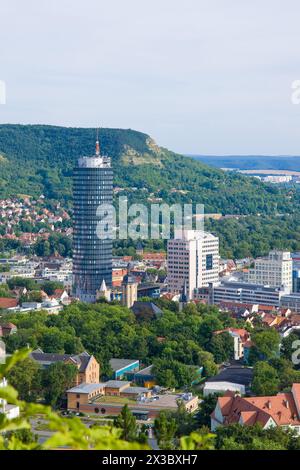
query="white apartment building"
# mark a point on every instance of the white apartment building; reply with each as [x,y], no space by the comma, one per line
[61,273]
[193,257]
[274,270]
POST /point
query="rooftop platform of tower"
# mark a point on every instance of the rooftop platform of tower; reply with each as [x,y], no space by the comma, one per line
[97,161]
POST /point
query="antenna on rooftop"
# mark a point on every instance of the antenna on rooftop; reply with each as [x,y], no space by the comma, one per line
[97,142]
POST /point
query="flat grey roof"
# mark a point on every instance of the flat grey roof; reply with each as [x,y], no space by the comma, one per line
[146,371]
[116,383]
[144,412]
[137,390]
[118,364]
[246,285]
[86,388]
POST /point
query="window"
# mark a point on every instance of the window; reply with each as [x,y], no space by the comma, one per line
[209,262]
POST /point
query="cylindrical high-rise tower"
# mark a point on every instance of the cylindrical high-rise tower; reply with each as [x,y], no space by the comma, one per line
[92,256]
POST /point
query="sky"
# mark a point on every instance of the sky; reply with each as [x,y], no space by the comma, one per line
[199,76]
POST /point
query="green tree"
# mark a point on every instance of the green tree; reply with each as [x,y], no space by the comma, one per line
[206,407]
[190,309]
[266,343]
[52,341]
[265,379]
[221,346]
[173,374]
[56,379]
[185,422]
[287,348]
[30,284]
[165,429]
[210,368]
[210,324]
[25,436]
[4,291]
[285,371]
[32,296]
[237,437]
[50,286]
[127,422]
[25,377]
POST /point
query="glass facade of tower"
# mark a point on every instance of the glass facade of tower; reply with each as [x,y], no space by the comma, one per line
[92,256]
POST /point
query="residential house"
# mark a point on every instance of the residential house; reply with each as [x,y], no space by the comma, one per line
[61,295]
[240,337]
[8,329]
[272,320]
[88,367]
[6,302]
[269,411]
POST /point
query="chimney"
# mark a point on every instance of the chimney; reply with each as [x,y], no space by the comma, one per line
[269,404]
[287,404]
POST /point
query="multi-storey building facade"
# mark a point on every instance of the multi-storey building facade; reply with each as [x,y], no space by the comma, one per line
[296,279]
[296,272]
[291,301]
[273,271]
[92,255]
[193,261]
[245,293]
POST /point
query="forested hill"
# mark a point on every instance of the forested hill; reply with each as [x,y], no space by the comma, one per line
[38,159]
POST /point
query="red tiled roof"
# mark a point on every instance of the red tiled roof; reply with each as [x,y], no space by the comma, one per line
[243,334]
[236,304]
[249,417]
[265,308]
[294,319]
[282,408]
[273,320]
[6,302]
[155,256]
[168,296]
[5,330]
[59,291]
[9,325]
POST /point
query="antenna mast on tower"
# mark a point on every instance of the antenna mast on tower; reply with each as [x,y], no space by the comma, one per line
[97,143]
